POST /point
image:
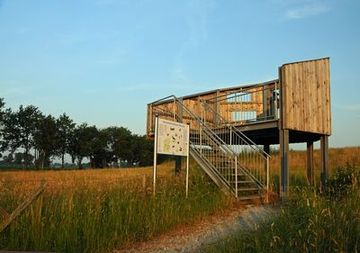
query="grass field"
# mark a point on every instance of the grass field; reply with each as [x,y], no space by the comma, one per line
[101,210]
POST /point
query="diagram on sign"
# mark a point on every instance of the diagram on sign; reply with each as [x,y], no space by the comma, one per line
[172,138]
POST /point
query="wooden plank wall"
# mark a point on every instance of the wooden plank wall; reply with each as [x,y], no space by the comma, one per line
[256,104]
[305,87]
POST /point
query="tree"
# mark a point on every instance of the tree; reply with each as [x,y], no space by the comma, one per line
[101,153]
[46,139]
[19,128]
[82,142]
[66,128]
[10,132]
[20,158]
[2,104]
[26,121]
[142,150]
[119,142]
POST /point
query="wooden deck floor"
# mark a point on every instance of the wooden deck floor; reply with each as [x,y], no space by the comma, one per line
[267,133]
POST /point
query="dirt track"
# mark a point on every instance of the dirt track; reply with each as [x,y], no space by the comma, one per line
[189,238]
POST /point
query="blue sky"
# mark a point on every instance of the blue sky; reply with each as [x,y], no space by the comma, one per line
[102,61]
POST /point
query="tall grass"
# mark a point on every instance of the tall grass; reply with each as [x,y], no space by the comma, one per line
[308,221]
[83,218]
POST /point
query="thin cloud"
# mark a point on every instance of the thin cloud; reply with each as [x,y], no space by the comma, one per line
[307,10]
[350,108]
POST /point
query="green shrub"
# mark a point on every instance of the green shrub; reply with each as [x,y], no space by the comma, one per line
[342,182]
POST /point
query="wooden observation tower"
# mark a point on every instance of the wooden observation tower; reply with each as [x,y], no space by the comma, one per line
[231,129]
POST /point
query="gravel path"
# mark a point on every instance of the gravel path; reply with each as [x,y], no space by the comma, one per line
[189,238]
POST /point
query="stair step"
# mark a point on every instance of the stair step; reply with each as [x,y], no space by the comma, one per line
[243,182]
[246,182]
[248,189]
[257,196]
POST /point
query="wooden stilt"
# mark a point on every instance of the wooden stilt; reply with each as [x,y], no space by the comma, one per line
[177,165]
[310,163]
[284,151]
[324,157]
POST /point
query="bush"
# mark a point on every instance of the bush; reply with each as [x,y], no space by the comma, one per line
[342,182]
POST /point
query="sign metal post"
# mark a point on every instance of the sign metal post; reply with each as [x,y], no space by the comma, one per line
[155,155]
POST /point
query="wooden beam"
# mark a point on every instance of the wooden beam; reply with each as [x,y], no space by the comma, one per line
[6,222]
[284,151]
[310,162]
[324,157]
[258,125]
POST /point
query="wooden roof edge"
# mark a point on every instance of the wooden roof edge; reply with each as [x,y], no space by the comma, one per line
[316,59]
[216,90]
[230,88]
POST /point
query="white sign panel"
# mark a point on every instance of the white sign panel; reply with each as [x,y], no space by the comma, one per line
[172,138]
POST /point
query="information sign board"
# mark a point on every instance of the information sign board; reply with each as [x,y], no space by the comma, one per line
[172,138]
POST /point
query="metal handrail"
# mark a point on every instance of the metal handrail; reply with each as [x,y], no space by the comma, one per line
[246,89]
[238,132]
[199,121]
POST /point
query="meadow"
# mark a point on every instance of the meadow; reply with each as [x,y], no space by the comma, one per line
[101,210]
[105,209]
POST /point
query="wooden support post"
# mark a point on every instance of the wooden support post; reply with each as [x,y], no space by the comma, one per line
[284,151]
[324,157]
[310,162]
[266,108]
[177,165]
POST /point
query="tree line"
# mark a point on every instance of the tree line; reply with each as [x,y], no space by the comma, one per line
[33,139]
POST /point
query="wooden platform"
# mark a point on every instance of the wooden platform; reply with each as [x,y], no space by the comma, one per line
[267,133]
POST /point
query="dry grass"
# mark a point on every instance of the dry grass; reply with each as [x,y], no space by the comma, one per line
[338,157]
[23,181]
[100,210]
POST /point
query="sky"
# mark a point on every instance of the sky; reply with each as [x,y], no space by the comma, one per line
[103,61]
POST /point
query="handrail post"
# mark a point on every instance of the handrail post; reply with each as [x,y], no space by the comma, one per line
[267,178]
[236,178]
[230,135]
[275,94]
